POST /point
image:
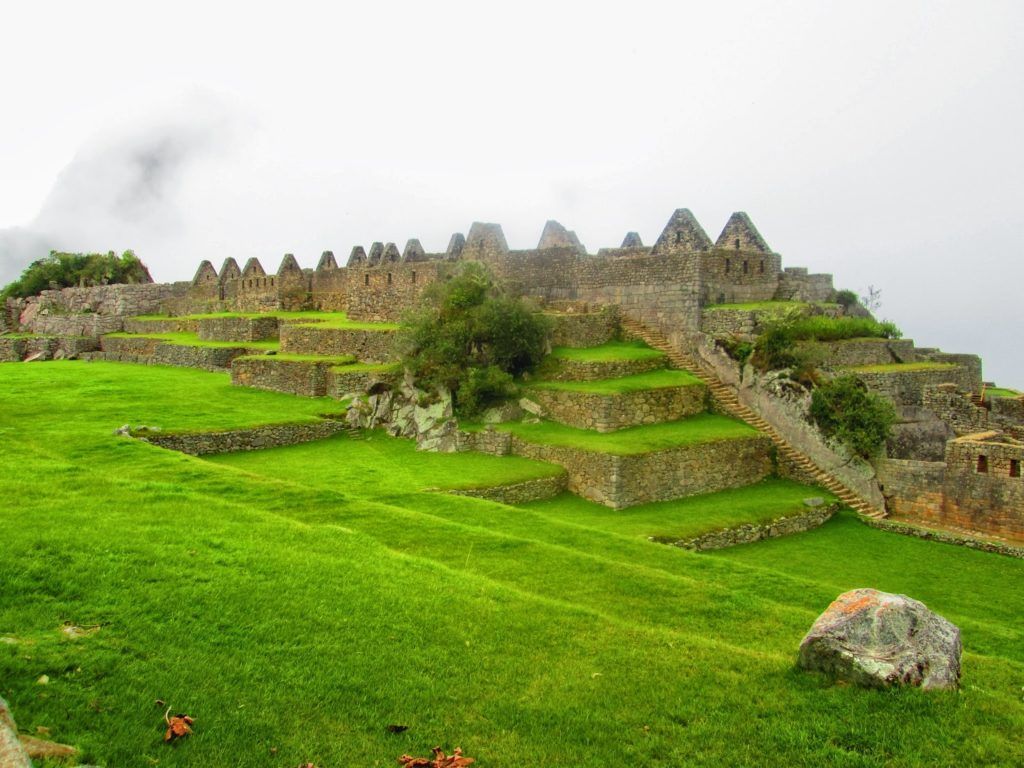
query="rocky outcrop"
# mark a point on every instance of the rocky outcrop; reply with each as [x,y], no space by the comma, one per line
[876,639]
[408,412]
[12,753]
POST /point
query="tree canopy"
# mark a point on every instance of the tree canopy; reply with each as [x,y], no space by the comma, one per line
[63,270]
[471,338]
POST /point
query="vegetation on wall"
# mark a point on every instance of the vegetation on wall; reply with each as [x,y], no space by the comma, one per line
[473,339]
[846,411]
[64,270]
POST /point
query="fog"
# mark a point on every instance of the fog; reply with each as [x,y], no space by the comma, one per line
[876,141]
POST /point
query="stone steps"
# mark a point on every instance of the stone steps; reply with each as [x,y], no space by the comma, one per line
[728,400]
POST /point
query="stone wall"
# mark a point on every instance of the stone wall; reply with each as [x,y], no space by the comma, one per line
[737,276]
[296,377]
[367,346]
[722,321]
[945,537]
[912,489]
[380,293]
[908,387]
[163,325]
[519,493]
[796,285]
[625,481]
[237,328]
[597,370]
[853,352]
[754,532]
[984,487]
[252,439]
[16,348]
[585,329]
[139,349]
[607,413]
[349,380]
[955,408]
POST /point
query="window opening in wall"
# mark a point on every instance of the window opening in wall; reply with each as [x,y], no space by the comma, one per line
[679,237]
[414,276]
[761,268]
[389,278]
[983,463]
[1014,467]
[728,265]
[366,279]
[271,282]
[737,243]
[746,267]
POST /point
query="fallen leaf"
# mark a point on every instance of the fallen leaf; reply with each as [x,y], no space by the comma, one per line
[440,760]
[178,727]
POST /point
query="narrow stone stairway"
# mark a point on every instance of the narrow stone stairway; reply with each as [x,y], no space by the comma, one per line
[730,402]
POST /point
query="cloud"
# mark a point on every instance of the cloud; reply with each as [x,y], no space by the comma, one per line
[125,184]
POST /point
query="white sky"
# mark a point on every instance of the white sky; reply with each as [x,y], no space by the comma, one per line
[879,141]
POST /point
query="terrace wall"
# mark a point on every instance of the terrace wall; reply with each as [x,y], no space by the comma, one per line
[252,439]
[607,413]
[367,346]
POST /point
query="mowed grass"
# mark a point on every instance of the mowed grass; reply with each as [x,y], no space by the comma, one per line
[702,428]
[381,466]
[1001,392]
[187,339]
[607,352]
[660,379]
[295,618]
[685,518]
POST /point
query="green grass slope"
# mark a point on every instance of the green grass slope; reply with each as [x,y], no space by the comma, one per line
[295,616]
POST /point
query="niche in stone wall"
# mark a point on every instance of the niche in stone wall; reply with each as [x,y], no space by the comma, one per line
[1014,468]
[982,464]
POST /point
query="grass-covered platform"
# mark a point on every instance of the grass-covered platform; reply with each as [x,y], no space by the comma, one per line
[296,615]
[660,379]
[702,428]
[188,339]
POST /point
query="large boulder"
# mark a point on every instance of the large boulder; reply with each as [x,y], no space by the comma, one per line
[12,753]
[876,639]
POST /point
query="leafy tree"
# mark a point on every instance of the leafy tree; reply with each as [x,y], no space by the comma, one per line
[63,270]
[845,410]
[472,339]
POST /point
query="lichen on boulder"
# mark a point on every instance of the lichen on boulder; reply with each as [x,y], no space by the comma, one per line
[877,639]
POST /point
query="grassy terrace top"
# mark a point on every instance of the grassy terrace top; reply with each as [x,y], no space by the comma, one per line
[704,428]
[1001,392]
[312,317]
[901,367]
[368,368]
[661,379]
[608,352]
[185,339]
[767,305]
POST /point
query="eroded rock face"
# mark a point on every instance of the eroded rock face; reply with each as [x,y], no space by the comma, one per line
[877,639]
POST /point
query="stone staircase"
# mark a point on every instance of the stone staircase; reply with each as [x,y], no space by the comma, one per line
[727,399]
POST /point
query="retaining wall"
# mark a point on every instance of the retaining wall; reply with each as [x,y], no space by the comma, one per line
[519,493]
[237,328]
[366,346]
[585,370]
[252,439]
[296,377]
[607,413]
[754,532]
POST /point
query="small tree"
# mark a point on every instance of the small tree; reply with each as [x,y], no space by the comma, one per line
[845,410]
[64,270]
[472,339]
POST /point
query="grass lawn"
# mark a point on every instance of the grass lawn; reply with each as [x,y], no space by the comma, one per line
[901,367]
[186,339]
[1001,392]
[380,466]
[684,518]
[703,428]
[759,305]
[295,614]
[311,317]
[608,352]
[660,379]
[369,368]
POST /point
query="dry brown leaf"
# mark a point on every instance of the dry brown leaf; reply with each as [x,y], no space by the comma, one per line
[178,726]
[440,760]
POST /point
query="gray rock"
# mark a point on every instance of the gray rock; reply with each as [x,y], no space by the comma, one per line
[531,407]
[124,430]
[876,639]
[814,501]
[503,412]
[12,753]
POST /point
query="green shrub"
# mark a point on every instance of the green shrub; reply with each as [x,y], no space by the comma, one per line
[822,328]
[845,410]
[63,270]
[736,348]
[472,339]
[846,299]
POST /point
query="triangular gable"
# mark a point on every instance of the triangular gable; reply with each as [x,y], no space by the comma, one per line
[557,236]
[683,233]
[289,265]
[357,257]
[205,275]
[484,237]
[376,254]
[229,270]
[253,268]
[391,254]
[632,240]
[740,234]
[327,261]
[414,251]
[455,246]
